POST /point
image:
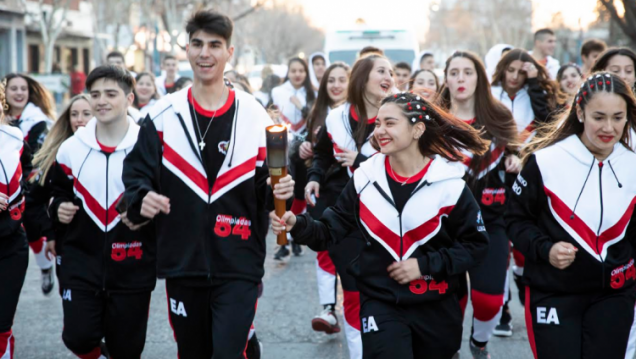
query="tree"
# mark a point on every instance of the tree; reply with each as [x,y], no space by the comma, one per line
[478,25]
[627,22]
[51,16]
[287,32]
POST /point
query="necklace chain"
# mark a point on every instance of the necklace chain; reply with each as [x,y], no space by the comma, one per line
[396,177]
[196,119]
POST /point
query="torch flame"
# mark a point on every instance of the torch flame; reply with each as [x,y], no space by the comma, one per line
[277,128]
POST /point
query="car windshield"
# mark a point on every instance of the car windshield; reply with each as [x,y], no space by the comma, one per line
[350,56]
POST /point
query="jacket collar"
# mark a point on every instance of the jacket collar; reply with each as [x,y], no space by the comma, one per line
[440,170]
[88,135]
[33,113]
[575,148]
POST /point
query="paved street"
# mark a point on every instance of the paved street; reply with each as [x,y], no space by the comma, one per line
[289,302]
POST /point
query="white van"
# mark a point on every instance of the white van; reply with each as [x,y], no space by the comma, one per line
[399,45]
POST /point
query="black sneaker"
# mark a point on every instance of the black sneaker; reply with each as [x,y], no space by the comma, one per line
[47,281]
[297,249]
[281,253]
[504,328]
[254,348]
[521,285]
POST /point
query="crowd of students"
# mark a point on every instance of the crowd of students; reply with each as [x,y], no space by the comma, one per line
[415,191]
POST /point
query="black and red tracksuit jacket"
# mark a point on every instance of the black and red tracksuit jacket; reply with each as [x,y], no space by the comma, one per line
[15,163]
[97,250]
[564,194]
[212,232]
[440,226]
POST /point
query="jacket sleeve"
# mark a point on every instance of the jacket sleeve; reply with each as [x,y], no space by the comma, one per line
[524,206]
[539,101]
[323,157]
[334,225]
[470,246]
[359,159]
[61,184]
[630,234]
[141,172]
[26,162]
[36,135]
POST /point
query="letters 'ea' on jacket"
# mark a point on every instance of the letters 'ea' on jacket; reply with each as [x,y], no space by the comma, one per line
[97,250]
[211,232]
[440,226]
[15,160]
[564,194]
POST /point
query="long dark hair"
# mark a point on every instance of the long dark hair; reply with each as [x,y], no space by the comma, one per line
[603,60]
[356,92]
[490,114]
[38,95]
[551,133]
[323,102]
[309,89]
[555,96]
[154,96]
[445,135]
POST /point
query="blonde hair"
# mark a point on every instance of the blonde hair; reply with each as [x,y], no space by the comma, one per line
[3,101]
[59,133]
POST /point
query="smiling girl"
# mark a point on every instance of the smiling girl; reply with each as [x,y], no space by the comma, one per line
[30,109]
[426,83]
[15,163]
[331,94]
[76,115]
[572,217]
[423,230]
[146,93]
[569,78]
[342,145]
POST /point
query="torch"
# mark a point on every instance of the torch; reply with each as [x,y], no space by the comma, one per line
[276,143]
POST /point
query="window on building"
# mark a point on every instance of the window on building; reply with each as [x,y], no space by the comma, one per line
[34,58]
[87,61]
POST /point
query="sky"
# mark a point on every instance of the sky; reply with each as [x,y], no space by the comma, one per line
[327,13]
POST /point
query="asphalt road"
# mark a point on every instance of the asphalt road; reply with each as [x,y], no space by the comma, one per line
[289,302]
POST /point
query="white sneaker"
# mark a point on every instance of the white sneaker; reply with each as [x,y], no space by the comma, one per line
[326,322]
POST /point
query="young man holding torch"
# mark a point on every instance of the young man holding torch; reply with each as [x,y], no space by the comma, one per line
[198,172]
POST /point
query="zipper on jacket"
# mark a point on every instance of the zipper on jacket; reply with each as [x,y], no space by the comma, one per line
[105,259]
[401,238]
[388,199]
[598,232]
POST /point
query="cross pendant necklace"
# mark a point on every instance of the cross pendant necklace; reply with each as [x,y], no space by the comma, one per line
[196,120]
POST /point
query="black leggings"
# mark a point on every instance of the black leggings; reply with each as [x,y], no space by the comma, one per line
[121,319]
[14,259]
[211,320]
[13,267]
[431,330]
[579,326]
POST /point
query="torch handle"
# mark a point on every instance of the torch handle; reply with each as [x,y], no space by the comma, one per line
[280,205]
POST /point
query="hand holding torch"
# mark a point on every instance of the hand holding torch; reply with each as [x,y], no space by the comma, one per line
[276,142]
